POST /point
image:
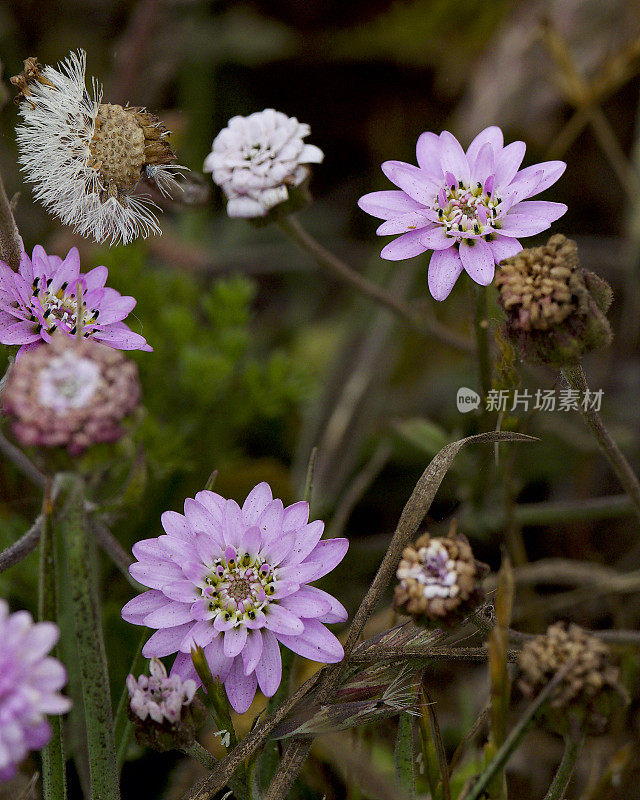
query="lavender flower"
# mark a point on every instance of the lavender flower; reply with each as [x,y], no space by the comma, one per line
[233,581]
[466,207]
[85,157]
[41,299]
[159,697]
[256,159]
[70,393]
[29,684]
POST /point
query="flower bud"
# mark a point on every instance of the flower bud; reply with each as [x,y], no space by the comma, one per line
[70,393]
[439,580]
[164,710]
[555,309]
[588,692]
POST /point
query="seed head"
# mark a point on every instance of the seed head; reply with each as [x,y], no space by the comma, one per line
[586,694]
[87,157]
[555,309]
[438,580]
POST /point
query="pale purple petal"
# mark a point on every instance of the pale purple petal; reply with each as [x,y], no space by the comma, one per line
[257,500]
[539,177]
[328,553]
[428,154]
[252,651]
[218,663]
[116,310]
[507,164]
[156,575]
[169,616]
[316,643]
[176,525]
[477,260]
[412,180]
[166,641]
[234,640]
[295,516]
[453,158]
[281,620]
[241,688]
[305,603]
[437,239]
[504,247]
[270,520]
[491,136]
[444,270]
[305,540]
[214,504]
[484,165]
[406,246]
[120,338]
[540,210]
[137,609]
[522,225]
[232,524]
[407,222]
[389,204]
[269,669]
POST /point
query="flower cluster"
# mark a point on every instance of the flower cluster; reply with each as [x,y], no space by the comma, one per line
[157,696]
[29,686]
[86,158]
[438,580]
[70,393]
[257,159]
[469,208]
[555,309]
[41,298]
[233,581]
[589,689]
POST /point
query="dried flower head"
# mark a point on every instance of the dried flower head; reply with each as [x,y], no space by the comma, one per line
[70,393]
[234,581]
[589,690]
[87,157]
[29,686]
[164,711]
[555,309]
[257,159]
[466,207]
[41,299]
[438,580]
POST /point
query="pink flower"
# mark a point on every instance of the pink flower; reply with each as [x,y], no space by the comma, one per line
[234,581]
[29,686]
[466,207]
[41,298]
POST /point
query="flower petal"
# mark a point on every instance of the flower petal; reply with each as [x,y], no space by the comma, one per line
[295,516]
[508,163]
[504,247]
[316,643]
[491,136]
[428,154]
[389,204]
[252,651]
[269,668]
[257,500]
[234,640]
[412,180]
[406,246]
[281,620]
[240,688]
[305,540]
[444,270]
[477,259]
[169,616]
[453,158]
[166,641]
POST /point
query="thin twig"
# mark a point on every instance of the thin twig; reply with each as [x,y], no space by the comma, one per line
[577,380]
[572,747]
[116,552]
[26,544]
[344,273]
[426,652]
[21,461]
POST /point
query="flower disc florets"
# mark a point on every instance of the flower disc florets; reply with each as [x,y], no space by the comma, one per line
[29,686]
[257,159]
[588,692]
[86,157]
[70,393]
[233,581]
[438,580]
[466,207]
[555,309]
[42,299]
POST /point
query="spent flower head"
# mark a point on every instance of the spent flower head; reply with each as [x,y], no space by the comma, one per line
[555,309]
[469,208]
[29,686]
[588,692]
[234,581]
[438,580]
[70,393]
[42,299]
[85,157]
[256,160]
[164,710]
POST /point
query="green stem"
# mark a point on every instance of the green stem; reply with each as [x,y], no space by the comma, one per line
[481,324]
[577,380]
[516,735]
[122,725]
[572,747]
[197,751]
[54,779]
[103,772]
[338,270]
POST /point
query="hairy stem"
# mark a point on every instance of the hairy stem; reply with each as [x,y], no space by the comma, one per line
[577,380]
[54,779]
[481,325]
[347,275]
[572,747]
[101,749]
[25,545]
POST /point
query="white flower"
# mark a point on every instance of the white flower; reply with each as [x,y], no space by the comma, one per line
[158,696]
[86,157]
[256,159]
